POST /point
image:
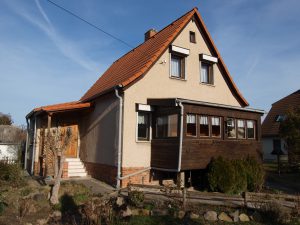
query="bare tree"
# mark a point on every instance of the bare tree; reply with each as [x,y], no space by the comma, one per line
[57,141]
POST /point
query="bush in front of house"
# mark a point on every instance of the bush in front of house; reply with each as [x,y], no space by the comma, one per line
[136,198]
[235,176]
[11,173]
[255,174]
[221,175]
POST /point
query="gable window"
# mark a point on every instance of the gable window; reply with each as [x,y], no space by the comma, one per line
[241,129]
[166,126]
[231,132]
[276,145]
[143,129]
[250,129]
[204,126]
[206,74]
[177,66]
[279,118]
[192,37]
[215,126]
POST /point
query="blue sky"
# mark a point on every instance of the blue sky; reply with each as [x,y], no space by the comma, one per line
[48,57]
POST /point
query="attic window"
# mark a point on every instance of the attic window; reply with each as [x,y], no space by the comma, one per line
[279,118]
[192,37]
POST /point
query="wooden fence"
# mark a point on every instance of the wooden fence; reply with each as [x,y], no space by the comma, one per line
[247,199]
[8,161]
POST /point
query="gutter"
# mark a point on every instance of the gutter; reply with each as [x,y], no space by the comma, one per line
[119,135]
[220,105]
[180,135]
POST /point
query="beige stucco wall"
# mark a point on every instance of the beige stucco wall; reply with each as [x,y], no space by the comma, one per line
[157,84]
[98,132]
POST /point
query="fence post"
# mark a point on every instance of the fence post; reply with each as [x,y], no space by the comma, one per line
[245,199]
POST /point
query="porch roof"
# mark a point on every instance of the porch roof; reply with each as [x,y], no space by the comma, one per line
[63,107]
[175,101]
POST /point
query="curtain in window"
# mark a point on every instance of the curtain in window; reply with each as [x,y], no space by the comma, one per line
[190,118]
[204,73]
[215,121]
[250,124]
[241,123]
[204,120]
[141,119]
[175,67]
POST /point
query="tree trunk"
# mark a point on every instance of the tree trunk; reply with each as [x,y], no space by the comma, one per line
[56,186]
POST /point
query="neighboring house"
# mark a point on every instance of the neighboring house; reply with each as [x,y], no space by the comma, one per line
[162,110]
[272,143]
[11,140]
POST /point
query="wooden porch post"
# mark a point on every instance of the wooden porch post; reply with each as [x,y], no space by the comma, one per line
[47,153]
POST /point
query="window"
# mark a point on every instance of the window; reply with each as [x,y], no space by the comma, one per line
[143,133]
[279,118]
[231,133]
[215,126]
[177,66]
[206,75]
[276,146]
[241,129]
[166,126]
[191,129]
[192,37]
[250,129]
[204,126]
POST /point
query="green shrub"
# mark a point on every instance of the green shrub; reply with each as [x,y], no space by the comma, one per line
[255,174]
[135,198]
[240,176]
[221,175]
[235,176]
[11,173]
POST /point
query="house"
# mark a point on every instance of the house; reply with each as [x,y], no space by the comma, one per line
[272,143]
[162,110]
[11,142]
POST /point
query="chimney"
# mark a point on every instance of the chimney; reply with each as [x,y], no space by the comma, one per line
[150,33]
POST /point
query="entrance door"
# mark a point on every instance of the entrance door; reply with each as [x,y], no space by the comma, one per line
[71,151]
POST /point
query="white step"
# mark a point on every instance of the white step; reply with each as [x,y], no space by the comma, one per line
[76,170]
[81,174]
[75,166]
[73,160]
[75,163]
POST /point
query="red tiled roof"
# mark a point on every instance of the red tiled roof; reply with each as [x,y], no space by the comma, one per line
[63,106]
[138,61]
[270,127]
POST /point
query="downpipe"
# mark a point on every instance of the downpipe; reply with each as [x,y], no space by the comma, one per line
[180,135]
[119,136]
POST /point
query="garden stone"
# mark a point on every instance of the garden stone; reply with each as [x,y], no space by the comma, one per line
[180,214]
[126,213]
[140,212]
[56,214]
[224,217]
[235,216]
[39,197]
[41,221]
[159,212]
[244,218]
[211,216]
[193,216]
[120,201]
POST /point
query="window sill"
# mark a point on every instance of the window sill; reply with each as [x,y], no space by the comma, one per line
[143,141]
[176,78]
[206,84]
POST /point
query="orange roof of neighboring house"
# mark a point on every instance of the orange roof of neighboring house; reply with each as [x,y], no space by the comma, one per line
[138,61]
[270,127]
[63,106]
